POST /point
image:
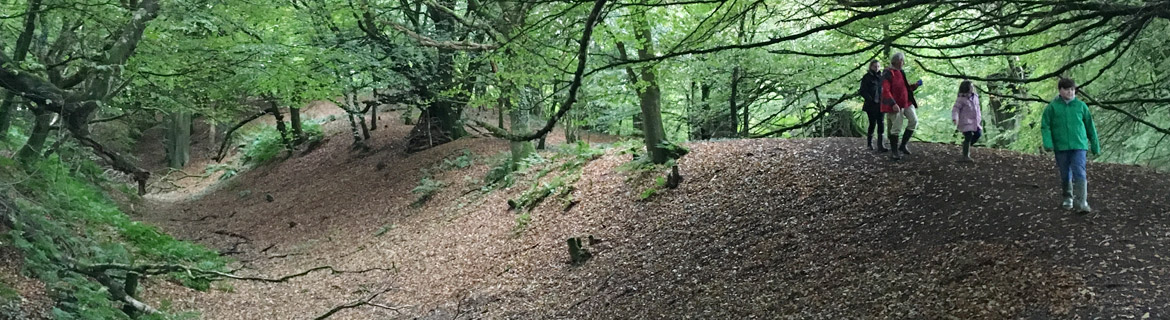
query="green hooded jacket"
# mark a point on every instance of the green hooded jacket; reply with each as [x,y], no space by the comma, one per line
[1069,126]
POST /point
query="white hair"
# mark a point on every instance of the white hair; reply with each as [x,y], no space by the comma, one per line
[898,56]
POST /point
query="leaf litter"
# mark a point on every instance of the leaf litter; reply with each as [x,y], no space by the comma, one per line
[766,228]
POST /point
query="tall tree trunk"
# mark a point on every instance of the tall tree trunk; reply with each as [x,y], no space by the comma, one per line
[571,129]
[649,97]
[178,142]
[746,119]
[440,121]
[692,124]
[36,141]
[365,129]
[519,121]
[350,106]
[211,130]
[733,99]
[500,114]
[707,125]
[374,110]
[21,51]
[633,78]
[298,133]
[281,128]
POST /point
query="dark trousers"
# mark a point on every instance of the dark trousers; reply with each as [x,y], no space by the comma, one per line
[876,120]
[971,137]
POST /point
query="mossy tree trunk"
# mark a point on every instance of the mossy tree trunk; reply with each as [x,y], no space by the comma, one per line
[649,96]
[36,140]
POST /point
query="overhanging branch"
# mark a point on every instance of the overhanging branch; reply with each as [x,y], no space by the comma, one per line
[582,54]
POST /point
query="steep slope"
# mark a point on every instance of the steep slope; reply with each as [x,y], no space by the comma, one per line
[807,228]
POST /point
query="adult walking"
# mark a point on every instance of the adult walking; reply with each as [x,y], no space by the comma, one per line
[898,103]
[871,91]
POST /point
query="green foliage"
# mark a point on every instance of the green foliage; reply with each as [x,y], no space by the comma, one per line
[674,151]
[426,188]
[229,170]
[429,185]
[262,145]
[500,173]
[64,218]
[578,154]
[522,221]
[650,192]
[385,228]
[313,130]
[464,160]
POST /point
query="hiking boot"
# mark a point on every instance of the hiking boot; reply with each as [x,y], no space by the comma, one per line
[881,144]
[966,153]
[894,154]
[1067,193]
[1081,195]
[906,139]
[869,142]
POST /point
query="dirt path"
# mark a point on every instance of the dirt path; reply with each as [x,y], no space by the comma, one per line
[814,228]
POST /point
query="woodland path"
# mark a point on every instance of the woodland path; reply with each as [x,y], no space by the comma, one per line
[801,228]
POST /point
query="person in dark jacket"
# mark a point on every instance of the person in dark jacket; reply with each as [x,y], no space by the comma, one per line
[871,91]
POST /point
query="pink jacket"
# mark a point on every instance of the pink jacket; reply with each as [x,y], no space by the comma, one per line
[966,113]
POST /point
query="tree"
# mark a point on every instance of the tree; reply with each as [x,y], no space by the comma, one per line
[76,97]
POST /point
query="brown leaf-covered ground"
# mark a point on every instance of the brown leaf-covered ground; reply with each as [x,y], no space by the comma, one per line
[766,228]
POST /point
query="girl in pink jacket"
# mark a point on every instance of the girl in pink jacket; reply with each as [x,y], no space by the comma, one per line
[967,117]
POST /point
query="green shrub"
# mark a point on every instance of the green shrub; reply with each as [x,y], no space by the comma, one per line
[426,188]
[522,221]
[65,219]
[498,175]
[262,145]
[463,161]
[312,130]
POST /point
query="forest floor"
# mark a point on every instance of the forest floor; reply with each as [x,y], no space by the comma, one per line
[762,228]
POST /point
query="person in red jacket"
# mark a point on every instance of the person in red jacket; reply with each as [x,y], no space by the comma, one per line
[897,103]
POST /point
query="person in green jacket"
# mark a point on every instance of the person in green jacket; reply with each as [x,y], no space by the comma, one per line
[1067,126]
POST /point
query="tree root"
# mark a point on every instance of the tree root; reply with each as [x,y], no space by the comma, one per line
[158,269]
[360,302]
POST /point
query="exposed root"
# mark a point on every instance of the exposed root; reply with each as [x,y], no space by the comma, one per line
[360,302]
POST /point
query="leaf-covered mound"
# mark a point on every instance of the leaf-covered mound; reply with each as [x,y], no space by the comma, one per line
[809,228]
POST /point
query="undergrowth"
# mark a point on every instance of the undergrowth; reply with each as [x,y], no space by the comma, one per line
[428,186]
[62,220]
[553,174]
[640,168]
[263,144]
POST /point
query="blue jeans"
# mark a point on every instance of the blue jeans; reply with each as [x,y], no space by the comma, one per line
[1070,165]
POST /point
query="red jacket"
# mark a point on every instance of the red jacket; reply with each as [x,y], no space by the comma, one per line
[895,88]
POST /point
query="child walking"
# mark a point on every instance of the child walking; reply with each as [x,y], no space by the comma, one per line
[1067,127]
[967,117]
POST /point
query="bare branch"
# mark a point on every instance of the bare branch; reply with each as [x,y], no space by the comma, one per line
[357,303]
[453,45]
[872,14]
[806,123]
[582,54]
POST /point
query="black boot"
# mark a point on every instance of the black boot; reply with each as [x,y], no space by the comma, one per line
[894,154]
[966,152]
[881,144]
[869,141]
[905,140]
